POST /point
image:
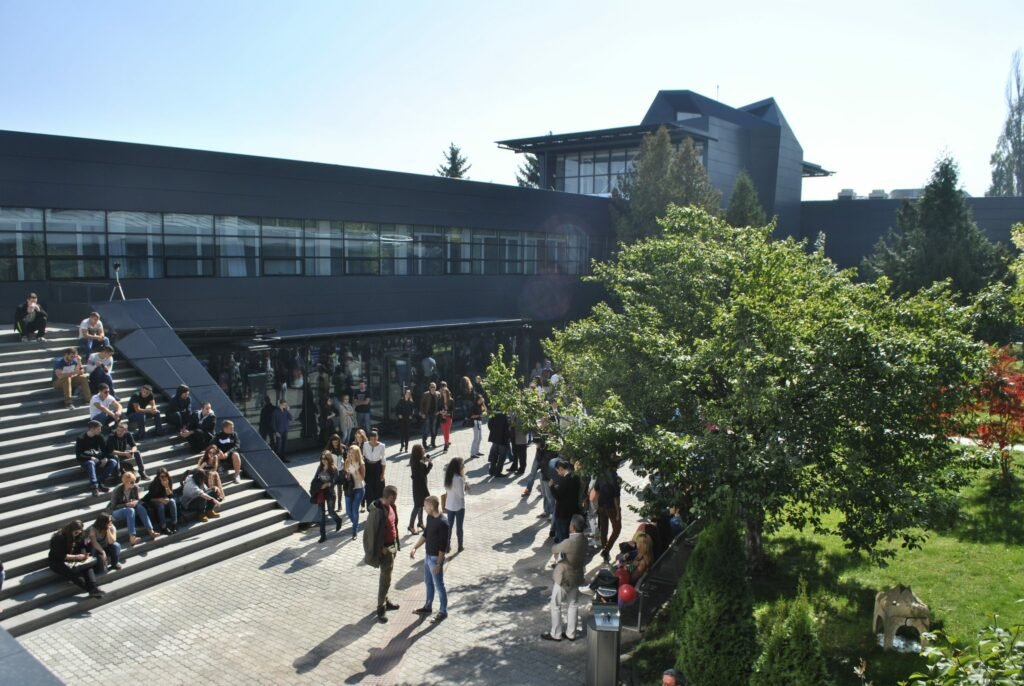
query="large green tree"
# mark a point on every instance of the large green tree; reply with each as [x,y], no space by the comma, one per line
[936,239]
[455,165]
[754,367]
[744,206]
[1008,159]
[528,174]
[660,175]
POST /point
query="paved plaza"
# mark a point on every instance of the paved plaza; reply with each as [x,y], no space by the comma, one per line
[300,612]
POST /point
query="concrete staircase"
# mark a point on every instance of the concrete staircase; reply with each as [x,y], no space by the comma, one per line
[42,488]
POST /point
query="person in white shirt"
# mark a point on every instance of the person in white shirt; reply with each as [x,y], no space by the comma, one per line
[373,455]
[100,368]
[91,334]
[104,408]
[454,500]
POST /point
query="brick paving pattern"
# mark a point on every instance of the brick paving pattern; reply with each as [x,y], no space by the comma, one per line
[300,612]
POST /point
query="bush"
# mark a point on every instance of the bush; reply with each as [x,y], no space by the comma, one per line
[792,653]
[715,609]
[997,658]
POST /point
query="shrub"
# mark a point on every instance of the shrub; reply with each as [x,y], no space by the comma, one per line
[792,653]
[997,658]
[715,609]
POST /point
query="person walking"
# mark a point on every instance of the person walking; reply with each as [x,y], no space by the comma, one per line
[568,576]
[454,499]
[566,490]
[280,422]
[381,545]
[609,510]
[420,465]
[435,538]
[323,491]
[353,485]
[404,410]
[445,414]
[373,455]
[429,403]
[477,413]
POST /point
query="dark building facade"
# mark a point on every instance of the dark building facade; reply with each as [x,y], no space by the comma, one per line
[755,138]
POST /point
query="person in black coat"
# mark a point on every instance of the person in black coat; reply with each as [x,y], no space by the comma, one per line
[404,410]
[69,559]
[181,407]
[420,465]
[30,318]
[566,490]
[500,436]
[201,427]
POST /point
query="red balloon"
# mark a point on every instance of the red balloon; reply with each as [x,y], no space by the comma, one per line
[622,575]
[627,593]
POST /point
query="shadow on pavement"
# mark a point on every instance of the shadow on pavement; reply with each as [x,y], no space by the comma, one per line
[380,661]
[333,643]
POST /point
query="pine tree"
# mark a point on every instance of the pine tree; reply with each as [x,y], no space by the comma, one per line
[935,239]
[659,176]
[744,207]
[454,166]
[528,174]
[715,609]
[792,653]
[1008,159]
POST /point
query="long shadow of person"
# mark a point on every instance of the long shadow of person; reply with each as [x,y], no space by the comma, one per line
[380,661]
[333,643]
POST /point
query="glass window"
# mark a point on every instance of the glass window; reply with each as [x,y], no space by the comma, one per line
[511,253]
[134,222]
[77,268]
[586,164]
[396,249]
[72,244]
[282,247]
[362,248]
[429,248]
[601,184]
[600,162]
[572,185]
[586,185]
[486,253]
[140,256]
[189,255]
[76,221]
[572,165]
[189,224]
[325,248]
[559,165]
[618,162]
[460,251]
[21,245]
[237,246]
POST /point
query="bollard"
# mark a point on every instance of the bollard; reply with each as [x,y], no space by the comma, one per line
[603,645]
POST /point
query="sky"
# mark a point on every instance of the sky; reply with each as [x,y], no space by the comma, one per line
[876,91]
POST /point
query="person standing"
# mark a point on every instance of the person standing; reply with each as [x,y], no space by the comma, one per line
[429,403]
[280,422]
[499,435]
[454,499]
[445,413]
[353,485]
[568,577]
[520,443]
[381,545]
[609,510]
[566,490]
[346,418]
[361,401]
[29,319]
[404,410]
[68,371]
[435,538]
[420,465]
[476,414]
[373,455]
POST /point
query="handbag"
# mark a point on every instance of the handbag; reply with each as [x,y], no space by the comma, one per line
[320,498]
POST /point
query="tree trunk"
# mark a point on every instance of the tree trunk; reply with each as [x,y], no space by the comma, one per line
[755,544]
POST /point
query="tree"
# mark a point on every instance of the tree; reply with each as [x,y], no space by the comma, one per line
[659,176]
[744,207]
[792,653]
[506,392]
[936,239]
[715,609]
[1008,159]
[454,166]
[753,367]
[528,174]
[999,411]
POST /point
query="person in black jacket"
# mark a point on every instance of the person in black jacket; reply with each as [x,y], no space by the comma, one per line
[566,489]
[500,436]
[404,410]
[90,451]
[323,491]
[30,318]
[181,408]
[267,422]
[227,442]
[200,428]
[420,465]
[69,559]
[121,447]
[430,402]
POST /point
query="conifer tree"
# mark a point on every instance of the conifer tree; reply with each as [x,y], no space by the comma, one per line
[697,190]
[528,174]
[455,164]
[792,653]
[744,207]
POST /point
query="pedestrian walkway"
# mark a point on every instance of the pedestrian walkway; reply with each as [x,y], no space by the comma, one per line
[299,612]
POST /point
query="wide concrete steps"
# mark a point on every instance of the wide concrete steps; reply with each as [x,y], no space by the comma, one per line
[42,488]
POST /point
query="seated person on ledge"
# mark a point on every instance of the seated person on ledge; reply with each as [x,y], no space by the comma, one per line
[30,319]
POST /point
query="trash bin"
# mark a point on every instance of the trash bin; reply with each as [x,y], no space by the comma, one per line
[603,645]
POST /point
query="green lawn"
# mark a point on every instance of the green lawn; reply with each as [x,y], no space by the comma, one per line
[969,569]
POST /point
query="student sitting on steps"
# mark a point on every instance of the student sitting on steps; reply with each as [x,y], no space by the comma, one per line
[90,451]
[29,319]
[121,447]
[68,373]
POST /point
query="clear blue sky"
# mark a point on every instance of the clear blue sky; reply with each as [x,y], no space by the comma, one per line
[874,90]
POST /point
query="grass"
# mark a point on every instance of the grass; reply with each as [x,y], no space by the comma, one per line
[969,569]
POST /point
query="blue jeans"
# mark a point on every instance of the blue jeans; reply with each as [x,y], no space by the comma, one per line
[363,419]
[434,581]
[138,419]
[101,376]
[166,512]
[113,552]
[534,470]
[549,497]
[327,505]
[282,443]
[352,502]
[98,475]
[455,519]
[85,345]
[128,516]
[430,426]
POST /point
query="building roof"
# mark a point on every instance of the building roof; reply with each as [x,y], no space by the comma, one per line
[620,135]
[758,114]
